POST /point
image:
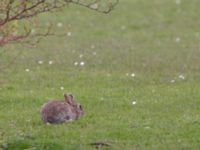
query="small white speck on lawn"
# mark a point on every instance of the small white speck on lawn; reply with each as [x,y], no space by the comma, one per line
[127,74]
[94,53]
[172,81]
[82,63]
[75,63]
[81,55]
[40,62]
[134,103]
[133,75]
[181,77]
[50,62]
[27,70]
[69,33]
[62,88]
[147,127]
[59,24]
[178,39]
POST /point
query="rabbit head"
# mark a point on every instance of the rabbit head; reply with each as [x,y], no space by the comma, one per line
[75,107]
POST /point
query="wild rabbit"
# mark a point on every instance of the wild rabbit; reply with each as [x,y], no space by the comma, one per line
[61,111]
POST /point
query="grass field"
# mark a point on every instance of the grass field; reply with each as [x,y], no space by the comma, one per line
[139,85]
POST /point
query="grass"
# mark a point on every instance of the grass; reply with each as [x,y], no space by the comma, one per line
[156,40]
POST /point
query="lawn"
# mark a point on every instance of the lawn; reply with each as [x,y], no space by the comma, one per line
[135,71]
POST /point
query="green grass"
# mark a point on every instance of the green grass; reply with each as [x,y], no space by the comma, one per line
[156,40]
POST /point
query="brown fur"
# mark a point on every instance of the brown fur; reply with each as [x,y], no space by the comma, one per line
[60,111]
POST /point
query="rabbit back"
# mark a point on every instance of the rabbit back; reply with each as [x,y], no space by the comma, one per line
[56,112]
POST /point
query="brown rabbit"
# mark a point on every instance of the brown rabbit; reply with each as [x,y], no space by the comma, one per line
[60,111]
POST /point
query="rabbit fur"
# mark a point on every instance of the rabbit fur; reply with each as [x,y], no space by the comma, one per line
[61,111]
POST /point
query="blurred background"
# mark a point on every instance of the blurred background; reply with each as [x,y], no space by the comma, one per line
[135,71]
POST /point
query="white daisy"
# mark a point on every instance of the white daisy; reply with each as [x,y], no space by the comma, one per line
[133,75]
[134,103]
[40,62]
[181,77]
[50,62]
[82,63]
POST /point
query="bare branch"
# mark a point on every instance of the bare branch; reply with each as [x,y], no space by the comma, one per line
[13,11]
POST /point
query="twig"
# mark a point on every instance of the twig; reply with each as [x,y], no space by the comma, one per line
[99,144]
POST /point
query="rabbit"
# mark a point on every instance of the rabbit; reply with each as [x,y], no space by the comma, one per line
[61,111]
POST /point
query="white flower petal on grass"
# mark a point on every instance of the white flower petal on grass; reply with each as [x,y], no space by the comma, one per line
[134,103]
[50,62]
[81,55]
[69,33]
[133,75]
[27,70]
[82,63]
[178,39]
[76,63]
[172,81]
[40,62]
[48,124]
[147,127]
[181,77]
[59,24]
[62,88]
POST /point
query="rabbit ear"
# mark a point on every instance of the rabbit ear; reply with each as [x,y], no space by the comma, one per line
[69,98]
